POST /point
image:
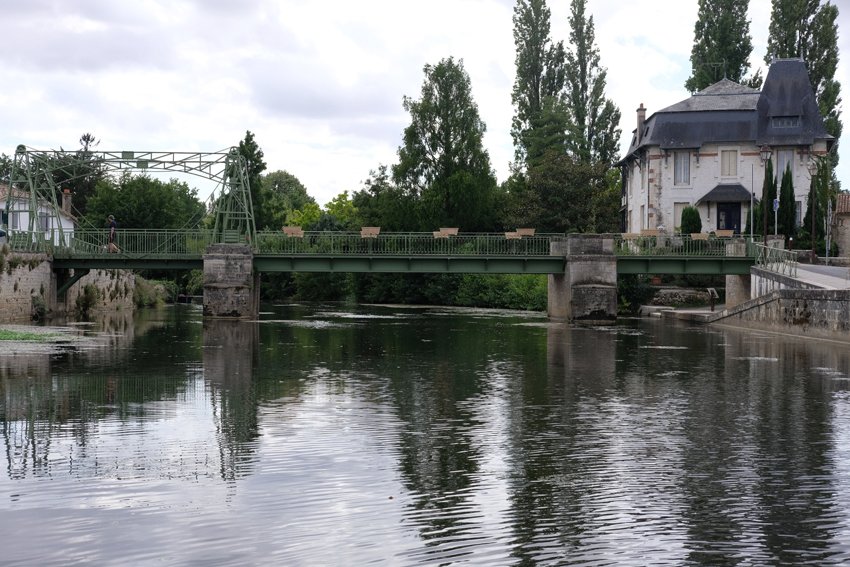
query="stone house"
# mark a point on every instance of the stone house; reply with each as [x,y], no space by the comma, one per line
[15,214]
[708,151]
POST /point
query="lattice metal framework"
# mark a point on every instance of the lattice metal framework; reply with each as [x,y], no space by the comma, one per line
[34,173]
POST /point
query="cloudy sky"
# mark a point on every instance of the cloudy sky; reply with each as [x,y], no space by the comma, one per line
[319,83]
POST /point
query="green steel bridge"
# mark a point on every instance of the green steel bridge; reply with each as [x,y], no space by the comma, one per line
[277,251]
[40,177]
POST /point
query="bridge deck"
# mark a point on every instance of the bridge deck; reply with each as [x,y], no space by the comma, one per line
[384,252]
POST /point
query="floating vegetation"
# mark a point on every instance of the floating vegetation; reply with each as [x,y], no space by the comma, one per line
[7,335]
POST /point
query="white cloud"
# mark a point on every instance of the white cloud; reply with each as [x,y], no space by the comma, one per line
[319,83]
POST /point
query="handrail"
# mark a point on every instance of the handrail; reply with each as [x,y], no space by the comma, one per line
[777,260]
[401,244]
[674,245]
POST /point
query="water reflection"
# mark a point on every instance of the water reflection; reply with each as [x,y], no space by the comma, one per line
[426,436]
[229,359]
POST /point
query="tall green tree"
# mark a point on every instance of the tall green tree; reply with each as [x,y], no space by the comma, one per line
[564,194]
[593,133]
[382,203]
[255,165]
[764,210]
[143,202]
[280,193]
[443,160]
[537,93]
[722,45]
[342,209]
[787,214]
[808,29]
[821,191]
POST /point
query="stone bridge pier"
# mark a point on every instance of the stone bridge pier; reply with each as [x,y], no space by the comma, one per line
[587,290]
[231,286]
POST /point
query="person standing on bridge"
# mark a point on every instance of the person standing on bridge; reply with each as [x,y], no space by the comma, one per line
[111,246]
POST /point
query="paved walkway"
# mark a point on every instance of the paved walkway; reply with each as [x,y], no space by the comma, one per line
[825,277]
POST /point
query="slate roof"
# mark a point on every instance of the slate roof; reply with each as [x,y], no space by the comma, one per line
[727,112]
[726,193]
[722,95]
[788,92]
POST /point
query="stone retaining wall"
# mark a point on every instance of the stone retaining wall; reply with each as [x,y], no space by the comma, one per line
[27,280]
[816,313]
[22,278]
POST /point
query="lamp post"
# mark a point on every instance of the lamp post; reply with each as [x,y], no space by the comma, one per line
[764,153]
[812,166]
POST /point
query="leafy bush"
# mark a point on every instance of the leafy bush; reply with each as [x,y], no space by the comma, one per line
[87,300]
[502,291]
[38,307]
[148,293]
[632,292]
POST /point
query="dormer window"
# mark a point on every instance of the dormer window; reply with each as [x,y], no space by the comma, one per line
[785,121]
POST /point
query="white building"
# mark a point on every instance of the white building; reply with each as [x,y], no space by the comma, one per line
[15,215]
[705,151]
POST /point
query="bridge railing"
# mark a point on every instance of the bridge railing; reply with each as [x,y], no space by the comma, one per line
[777,260]
[138,243]
[673,245]
[401,244]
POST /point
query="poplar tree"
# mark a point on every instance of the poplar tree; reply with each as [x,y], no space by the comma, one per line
[808,29]
[722,45]
[593,133]
[539,120]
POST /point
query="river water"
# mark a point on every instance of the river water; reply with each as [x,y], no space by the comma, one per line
[328,435]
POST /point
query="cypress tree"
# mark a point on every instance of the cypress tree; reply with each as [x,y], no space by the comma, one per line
[787,207]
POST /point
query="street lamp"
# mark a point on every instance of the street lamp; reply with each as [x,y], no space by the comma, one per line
[764,153]
[812,166]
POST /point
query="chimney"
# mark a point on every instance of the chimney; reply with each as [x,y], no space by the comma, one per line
[641,118]
[66,201]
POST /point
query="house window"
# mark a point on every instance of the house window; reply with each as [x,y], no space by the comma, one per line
[798,213]
[678,208]
[682,168]
[729,163]
[43,222]
[15,220]
[784,158]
